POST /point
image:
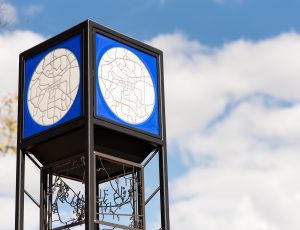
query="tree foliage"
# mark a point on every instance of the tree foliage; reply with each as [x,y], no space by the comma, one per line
[8,123]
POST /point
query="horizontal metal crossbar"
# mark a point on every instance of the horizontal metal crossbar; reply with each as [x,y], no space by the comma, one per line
[115,225]
[60,162]
[119,214]
[109,157]
[69,225]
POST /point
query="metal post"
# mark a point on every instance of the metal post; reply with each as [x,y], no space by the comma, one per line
[20,181]
[43,199]
[164,194]
[141,198]
[90,181]
[49,210]
[42,214]
[90,196]
[97,205]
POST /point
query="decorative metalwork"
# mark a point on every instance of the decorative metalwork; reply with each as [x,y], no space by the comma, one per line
[66,202]
[120,200]
[64,194]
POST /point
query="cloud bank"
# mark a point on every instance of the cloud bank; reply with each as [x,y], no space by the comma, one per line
[11,45]
[8,14]
[233,112]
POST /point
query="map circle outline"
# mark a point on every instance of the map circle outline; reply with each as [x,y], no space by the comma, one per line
[75,77]
[147,76]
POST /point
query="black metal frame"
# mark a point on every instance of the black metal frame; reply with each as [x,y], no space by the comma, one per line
[47,184]
[67,126]
[88,121]
[140,190]
[96,28]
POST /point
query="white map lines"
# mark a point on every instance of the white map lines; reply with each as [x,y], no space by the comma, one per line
[126,85]
[53,87]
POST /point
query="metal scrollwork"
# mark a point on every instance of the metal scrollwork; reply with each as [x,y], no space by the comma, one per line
[66,200]
[119,198]
[64,194]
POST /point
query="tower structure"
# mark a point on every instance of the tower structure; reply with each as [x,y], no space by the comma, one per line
[91,118]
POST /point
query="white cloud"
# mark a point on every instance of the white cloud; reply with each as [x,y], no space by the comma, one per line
[203,80]
[7,212]
[237,199]
[7,196]
[8,14]
[7,175]
[11,45]
[7,191]
[32,10]
[234,113]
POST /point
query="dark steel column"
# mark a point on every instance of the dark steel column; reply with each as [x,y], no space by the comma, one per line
[90,190]
[163,164]
[90,185]
[164,193]
[19,212]
[49,201]
[43,199]
[20,167]
[97,204]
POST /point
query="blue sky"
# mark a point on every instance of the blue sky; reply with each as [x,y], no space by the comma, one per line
[232,76]
[211,21]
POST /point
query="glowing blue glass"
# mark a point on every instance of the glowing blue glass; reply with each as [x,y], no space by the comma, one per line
[31,127]
[152,123]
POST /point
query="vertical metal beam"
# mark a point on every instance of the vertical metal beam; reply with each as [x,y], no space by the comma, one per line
[141,198]
[163,164]
[20,181]
[135,197]
[164,193]
[97,204]
[49,209]
[20,167]
[43,199]
[42,219]
[90,191]
[90,181]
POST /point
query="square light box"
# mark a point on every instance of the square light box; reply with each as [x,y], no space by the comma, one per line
[126,85]
[53,86]
[92,73]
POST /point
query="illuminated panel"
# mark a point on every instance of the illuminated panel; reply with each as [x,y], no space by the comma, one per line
[53,87]
[127,85]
